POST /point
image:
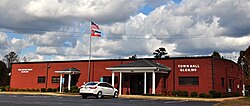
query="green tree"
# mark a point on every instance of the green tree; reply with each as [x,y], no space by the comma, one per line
[4,77]
[133,57]
[10,58]
[160,53]
[216,54]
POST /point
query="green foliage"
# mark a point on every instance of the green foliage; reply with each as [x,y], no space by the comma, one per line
[159,53]
[215,94]
[74,89]
[54,90]
[203,95]
[194,94]
[231,94]
[174,93]
[49,90]
[180,93]
[43,89]
[216,54]
[2,88]
[65,90]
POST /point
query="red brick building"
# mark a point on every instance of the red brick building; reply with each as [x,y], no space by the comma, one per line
[138,76]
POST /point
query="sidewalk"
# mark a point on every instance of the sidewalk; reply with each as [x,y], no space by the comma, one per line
[179,98]
[130,96]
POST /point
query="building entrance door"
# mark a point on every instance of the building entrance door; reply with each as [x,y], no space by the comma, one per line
[136,84]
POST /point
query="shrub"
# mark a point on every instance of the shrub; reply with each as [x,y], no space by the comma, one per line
[236,94]
[43,89]
[2,88]
[194,94]
[149,94]
[184,93]
[49,90]
[54,90]
[203,95]
[65,90]
[7,88]
[174,93]
[15,89]
[217,95]
[212,92]
[230,94]
[37,90]
[74,89]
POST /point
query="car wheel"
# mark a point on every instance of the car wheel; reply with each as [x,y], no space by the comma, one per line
[84,96]
[99,95]
[116,95]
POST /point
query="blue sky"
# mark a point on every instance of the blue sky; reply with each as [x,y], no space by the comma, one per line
[51,30]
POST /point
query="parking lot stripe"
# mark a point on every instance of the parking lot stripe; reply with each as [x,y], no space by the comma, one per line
[170,102]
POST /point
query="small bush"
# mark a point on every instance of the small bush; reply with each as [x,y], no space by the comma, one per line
[203,95]
[37,90]
[212,92]
[174,93]
[7,88]
[15,89]
[149,94]
[43,89]
[217,95]
[65,90]
[2,88]
[49,90]
[194,94]
[185,93]
[74,89]
[54,90]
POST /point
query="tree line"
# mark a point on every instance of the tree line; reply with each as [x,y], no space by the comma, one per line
[6,66]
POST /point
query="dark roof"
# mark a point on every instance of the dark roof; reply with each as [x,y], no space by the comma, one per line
[143,63]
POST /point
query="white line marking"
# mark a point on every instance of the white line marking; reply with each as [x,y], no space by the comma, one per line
[137,100]
[169,102]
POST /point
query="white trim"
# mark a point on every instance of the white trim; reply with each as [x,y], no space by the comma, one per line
[153,83]
[69,82]
[113,78]
[60,91]
[132,68]
[67,72]
[145,82]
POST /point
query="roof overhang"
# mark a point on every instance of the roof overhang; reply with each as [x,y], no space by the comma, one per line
[68,71]
[138,69]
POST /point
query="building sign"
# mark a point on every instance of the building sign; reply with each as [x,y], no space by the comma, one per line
[188,67]
[25,70]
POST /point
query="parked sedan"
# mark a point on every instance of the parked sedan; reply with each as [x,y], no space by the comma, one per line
[98,89]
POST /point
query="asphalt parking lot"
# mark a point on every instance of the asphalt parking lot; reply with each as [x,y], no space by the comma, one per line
[42,100]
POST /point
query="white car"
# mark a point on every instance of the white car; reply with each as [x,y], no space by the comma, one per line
[98,89]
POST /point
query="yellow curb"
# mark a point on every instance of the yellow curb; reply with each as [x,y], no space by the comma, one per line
[179,98]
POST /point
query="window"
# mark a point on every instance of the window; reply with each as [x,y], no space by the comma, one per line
[222,81]
[188,80]
[55,79]
[231,82]
[109,79]
[41,79]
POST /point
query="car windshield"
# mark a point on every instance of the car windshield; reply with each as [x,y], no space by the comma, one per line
[91,83]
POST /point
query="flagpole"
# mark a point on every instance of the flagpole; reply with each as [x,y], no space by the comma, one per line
[90,39]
